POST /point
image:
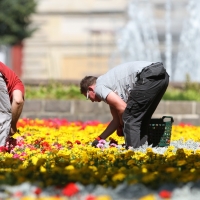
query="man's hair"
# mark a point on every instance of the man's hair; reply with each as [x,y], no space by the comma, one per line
[86,82]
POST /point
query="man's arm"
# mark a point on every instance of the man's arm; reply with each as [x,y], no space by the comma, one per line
[113,124]
[117,104]
[16,108]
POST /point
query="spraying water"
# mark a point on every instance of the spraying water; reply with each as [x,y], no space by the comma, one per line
[138,39]
[188,58]
[168,37]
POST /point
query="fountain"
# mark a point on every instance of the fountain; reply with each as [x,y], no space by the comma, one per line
[138,39]
[188,59]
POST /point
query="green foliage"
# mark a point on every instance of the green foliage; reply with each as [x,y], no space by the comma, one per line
[190,92]
[189,85]
[53,91]
[177,94]
[15,20]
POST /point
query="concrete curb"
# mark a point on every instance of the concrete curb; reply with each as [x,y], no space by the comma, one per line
[75,110]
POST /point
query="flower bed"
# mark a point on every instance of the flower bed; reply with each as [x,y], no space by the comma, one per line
[57,153]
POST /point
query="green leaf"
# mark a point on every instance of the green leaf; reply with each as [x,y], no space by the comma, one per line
[15,20]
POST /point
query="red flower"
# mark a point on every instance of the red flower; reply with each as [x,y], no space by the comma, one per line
[37,191]
[38,141]
[90,197]
[165,194]
[70,189]
[45,144]
[3,149]
[184,124]
[18,194]
[69,144]
[56,144]
[32,148]
[77,142]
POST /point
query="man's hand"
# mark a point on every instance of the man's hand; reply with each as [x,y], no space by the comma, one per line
[120,131]
[13,130]
[95,142]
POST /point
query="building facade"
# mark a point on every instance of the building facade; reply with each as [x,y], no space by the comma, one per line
[78,38]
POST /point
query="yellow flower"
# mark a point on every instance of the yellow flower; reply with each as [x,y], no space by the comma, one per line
[41,161]
[87,165]
[130,162]
[93,168]
[92,162]
[181,162]
[170,169]
[144,170]
[42,169]
[122,169]
[28,198]
[118,177]
[69,167]
[192,170]
[34,160]
[148,178]
[149,150]
[111,157]
[25,164]
[128,154]
[103,197]
[148,197]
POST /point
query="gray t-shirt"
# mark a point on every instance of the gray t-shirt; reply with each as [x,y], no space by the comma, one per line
[120,79]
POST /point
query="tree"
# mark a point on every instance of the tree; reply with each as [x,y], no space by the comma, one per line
[15,21]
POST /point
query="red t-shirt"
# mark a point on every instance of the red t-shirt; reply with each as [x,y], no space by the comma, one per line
[12,80]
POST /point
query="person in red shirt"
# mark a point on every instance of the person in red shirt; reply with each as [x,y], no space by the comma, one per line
[11,102]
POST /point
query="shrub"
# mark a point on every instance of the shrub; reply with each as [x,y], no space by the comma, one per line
[189,92]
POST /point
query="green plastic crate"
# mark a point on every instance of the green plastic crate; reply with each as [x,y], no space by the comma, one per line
[159,133]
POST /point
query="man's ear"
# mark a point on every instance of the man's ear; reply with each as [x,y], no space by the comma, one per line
[91,88]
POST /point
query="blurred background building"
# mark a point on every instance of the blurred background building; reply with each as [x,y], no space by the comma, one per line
[75,38]
[88,37]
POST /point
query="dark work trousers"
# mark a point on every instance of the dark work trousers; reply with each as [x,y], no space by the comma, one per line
[142,102]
